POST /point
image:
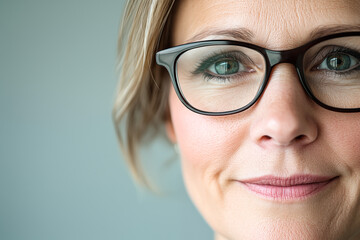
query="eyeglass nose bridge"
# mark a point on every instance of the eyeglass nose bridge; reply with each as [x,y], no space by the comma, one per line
[292,56]
[288,56]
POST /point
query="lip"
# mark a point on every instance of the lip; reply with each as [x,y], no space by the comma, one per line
[296,187]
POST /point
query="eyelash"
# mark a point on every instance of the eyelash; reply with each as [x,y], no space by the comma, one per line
[326,51]
[208,61]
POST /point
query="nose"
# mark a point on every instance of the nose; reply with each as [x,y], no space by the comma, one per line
[284,114]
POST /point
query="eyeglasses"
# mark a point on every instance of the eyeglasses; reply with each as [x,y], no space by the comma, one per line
[220,77]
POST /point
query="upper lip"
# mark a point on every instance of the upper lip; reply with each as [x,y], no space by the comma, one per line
[287,181]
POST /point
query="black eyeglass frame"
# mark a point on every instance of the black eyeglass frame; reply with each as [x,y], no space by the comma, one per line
[168,58]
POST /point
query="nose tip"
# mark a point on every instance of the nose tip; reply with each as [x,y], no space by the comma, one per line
[283,114]
[285,130]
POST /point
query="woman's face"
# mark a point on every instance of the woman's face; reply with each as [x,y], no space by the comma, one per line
[285,168]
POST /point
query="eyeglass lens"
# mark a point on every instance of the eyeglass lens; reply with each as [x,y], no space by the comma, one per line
[222,78]
[332,72]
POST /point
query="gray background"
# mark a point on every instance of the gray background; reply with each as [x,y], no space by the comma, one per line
[61,173]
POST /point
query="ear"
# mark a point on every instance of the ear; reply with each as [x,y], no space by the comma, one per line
[170,130]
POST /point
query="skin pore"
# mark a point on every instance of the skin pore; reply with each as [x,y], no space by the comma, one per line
[284,134]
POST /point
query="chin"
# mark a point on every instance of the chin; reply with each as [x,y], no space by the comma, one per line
[282,229]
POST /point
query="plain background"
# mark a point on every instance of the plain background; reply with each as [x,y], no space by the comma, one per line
[61,172]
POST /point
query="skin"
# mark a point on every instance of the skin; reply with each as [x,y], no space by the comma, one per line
[216,151]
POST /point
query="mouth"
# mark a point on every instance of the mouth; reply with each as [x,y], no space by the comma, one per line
[297,187]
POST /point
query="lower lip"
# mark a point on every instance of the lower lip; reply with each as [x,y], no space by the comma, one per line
[288,193]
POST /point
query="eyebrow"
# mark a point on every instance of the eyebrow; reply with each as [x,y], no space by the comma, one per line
[243,34]
[322,31]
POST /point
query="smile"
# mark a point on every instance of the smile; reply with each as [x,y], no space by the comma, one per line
[297,187]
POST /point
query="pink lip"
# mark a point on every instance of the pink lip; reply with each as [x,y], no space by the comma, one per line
[296,187]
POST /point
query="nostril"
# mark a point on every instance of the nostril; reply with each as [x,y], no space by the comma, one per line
[300,138]
[265,138]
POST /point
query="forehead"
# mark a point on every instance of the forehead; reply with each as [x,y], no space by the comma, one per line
[272,23]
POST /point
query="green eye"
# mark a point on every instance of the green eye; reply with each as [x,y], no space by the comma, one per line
[338,62]
[225,67]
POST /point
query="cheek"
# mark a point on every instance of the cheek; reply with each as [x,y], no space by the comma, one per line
[208,145]
[204,141]
[193,132]
[343,137]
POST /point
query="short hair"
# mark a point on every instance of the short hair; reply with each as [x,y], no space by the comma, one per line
[141,98]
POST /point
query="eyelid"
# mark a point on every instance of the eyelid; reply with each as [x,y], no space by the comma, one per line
[238,55]
[326,50]
[208,61]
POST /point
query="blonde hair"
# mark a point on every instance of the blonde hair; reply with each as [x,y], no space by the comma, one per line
[142,95]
